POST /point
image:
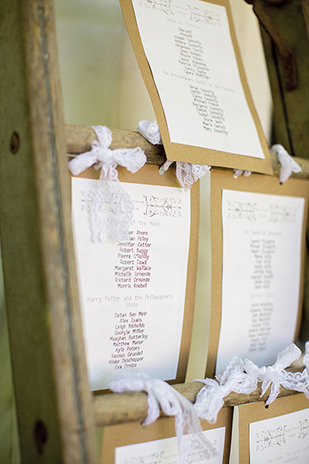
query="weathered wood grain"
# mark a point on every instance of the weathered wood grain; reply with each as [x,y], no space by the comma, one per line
[53,402]
[115,408]
[305,8]
[79,139]
[291,118]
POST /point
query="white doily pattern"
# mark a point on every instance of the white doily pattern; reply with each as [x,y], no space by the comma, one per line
[112,208]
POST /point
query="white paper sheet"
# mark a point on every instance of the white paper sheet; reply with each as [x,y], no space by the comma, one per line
[283,439]
[192,59]
[261,275]
[133,293]
[165,451]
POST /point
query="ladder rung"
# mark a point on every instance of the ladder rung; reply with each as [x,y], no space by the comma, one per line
[118,408]
[79,139]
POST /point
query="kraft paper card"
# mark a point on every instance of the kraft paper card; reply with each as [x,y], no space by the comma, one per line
[202,311]
[258,250]
[191,65]
[137,296]
[156,443]
[277,434]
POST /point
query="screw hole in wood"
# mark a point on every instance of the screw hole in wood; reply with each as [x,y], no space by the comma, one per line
[14,143]
[40,435]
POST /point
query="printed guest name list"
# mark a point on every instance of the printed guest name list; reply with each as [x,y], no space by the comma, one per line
[133,291]
[195,70]
[261,275]
[132,269]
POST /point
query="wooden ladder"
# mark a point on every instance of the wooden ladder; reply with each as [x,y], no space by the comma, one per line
[53,400]
[56,412]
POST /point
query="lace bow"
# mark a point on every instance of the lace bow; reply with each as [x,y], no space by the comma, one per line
[275,375]
[288,165]
[298,381]
[111,209]
[150,131]
[186,173]
[210,398]
[162,395]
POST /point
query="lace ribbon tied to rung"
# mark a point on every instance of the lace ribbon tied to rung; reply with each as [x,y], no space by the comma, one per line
[276,376]
[210,399]
[287,163]
[186,173]
[161,395]
[112,208]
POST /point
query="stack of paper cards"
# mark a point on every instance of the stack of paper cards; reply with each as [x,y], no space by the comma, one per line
[191,65]
[277,434]
[156,443]
[137,296]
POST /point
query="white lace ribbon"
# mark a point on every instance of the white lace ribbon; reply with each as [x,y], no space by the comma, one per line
[186,173]
[241,172]
[210,398]
[150,131]
[288,164]
[112,208]
[275,375]
[162,396]
[298,381]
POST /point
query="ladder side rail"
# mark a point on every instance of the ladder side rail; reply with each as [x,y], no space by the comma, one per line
[53,401]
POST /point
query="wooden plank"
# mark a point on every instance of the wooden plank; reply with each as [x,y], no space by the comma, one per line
[291,118]
[79,139]
[54,409]
[117,408]
[305,7]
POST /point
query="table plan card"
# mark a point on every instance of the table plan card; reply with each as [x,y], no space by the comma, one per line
[133,293]
[284,438]
[262,251]
[279,434]
[189,58]
[261,275]
[165,451]
[131,443]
